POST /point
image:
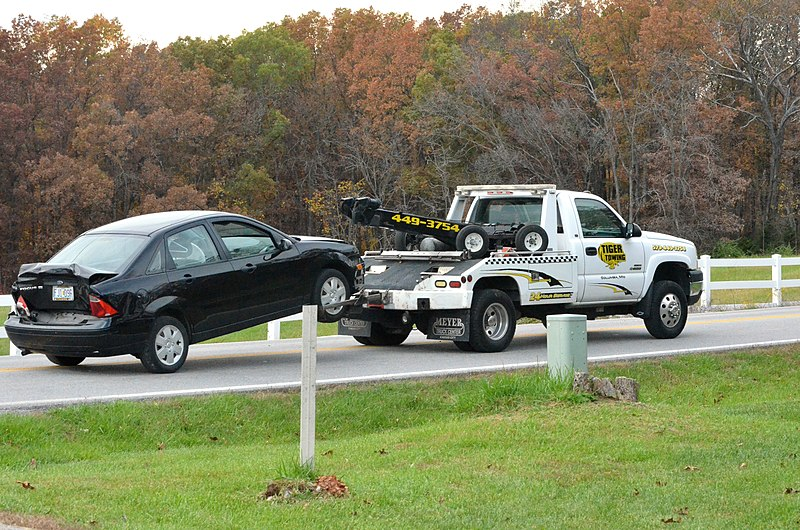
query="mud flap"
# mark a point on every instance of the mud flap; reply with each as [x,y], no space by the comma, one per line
[355,327]
[449,325]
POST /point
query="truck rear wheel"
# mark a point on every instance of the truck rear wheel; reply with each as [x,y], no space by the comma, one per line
[668,312]
[531,238]
[384,336]
[492,321]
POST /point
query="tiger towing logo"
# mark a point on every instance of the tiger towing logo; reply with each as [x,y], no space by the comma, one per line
[612,254]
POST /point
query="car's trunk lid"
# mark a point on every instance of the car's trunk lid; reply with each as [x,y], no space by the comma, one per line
[52,287]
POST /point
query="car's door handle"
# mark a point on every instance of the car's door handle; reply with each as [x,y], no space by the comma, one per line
[187,278]
[249,268]
[591,251]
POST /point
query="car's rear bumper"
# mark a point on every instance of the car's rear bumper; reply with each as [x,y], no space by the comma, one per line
[100,337]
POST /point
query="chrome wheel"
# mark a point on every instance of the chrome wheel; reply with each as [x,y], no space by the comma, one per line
[169,345]
[670,310]
[495,321]
[333,291]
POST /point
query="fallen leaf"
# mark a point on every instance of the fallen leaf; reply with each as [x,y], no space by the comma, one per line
[718,398]
[635,492]
[331,485]
[329,452]
[32,463]
[683,511]
[162,446]
[659,483]
[213,438]
[790,491]
[27,485]
[691,468]
[743,465]
[671,520]
[382,451]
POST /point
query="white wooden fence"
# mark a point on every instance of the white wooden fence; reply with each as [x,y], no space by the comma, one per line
[7,301]
[776,262]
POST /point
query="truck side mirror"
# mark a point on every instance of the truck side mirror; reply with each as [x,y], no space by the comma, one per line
[632,230]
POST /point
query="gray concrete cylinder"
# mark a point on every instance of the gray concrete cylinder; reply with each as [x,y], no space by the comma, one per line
[566,345]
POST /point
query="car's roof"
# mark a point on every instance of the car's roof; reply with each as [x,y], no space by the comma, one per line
[153,222]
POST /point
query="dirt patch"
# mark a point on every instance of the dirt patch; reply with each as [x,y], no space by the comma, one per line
[291,490]
[36,522]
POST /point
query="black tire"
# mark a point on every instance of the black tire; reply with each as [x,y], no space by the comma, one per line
[65,360]
[463,346]
[366,341]
[493,321]
[383,336]
[330,287]
[474,240]
[167,346]
[668,311]
[531,238]
[401,240]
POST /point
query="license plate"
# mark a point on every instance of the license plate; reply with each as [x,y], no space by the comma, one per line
[63,294]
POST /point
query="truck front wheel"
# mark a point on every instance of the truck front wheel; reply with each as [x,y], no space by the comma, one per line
[668,312]
[492,321]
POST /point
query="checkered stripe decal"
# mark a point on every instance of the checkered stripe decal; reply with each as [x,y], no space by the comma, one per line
[532,259]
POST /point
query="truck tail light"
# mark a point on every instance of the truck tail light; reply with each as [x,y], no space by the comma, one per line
[455,284]
[100,308]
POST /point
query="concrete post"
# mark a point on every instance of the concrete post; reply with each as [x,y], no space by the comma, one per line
[308,386]
[566,345]
[777,275]
[705,266]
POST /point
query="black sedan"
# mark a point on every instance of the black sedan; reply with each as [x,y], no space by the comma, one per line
[151,285]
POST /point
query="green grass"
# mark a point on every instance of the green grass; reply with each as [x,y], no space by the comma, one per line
[289,330]
[749,297]
[715,443]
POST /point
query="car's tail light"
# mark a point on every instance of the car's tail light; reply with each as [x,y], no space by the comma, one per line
[22,307]
[100,308]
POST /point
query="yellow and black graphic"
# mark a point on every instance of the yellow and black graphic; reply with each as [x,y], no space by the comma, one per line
[531,276]
[669,248]
[435,224]
[612,254]
[537,296]
[617,288]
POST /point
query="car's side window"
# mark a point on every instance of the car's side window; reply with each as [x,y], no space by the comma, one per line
[157,263]
[192,247]
[597,219]
[244,240]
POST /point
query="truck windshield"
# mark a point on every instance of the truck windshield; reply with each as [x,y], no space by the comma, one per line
[515,210]
[102,252]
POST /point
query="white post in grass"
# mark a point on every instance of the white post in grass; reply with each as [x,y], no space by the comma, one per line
[308,386]
[566,345]
[777,294]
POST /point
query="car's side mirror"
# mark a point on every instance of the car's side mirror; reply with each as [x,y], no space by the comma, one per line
[632,230]
[284,244]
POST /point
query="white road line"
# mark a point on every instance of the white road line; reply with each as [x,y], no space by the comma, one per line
[46,403]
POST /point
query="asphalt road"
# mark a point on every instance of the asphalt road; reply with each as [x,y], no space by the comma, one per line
[31,382]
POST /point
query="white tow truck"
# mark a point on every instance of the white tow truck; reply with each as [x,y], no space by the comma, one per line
[516,251]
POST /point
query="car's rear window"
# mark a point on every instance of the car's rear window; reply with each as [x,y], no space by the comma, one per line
[103,252]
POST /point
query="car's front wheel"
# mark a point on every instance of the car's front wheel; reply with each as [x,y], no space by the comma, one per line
[65,360]
[331,287]
[668,312]
[167,346]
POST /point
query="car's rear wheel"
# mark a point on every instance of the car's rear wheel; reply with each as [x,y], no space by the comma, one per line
[167,346]
[331,288]
[65,360]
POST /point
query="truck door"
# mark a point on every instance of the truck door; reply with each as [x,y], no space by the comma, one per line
[613,266]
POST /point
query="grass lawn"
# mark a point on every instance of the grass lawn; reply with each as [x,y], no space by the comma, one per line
[289,330]
[714,444]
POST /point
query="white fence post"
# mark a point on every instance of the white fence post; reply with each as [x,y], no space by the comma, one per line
[308,386]
[777,275]
[705,266]
[273,330]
